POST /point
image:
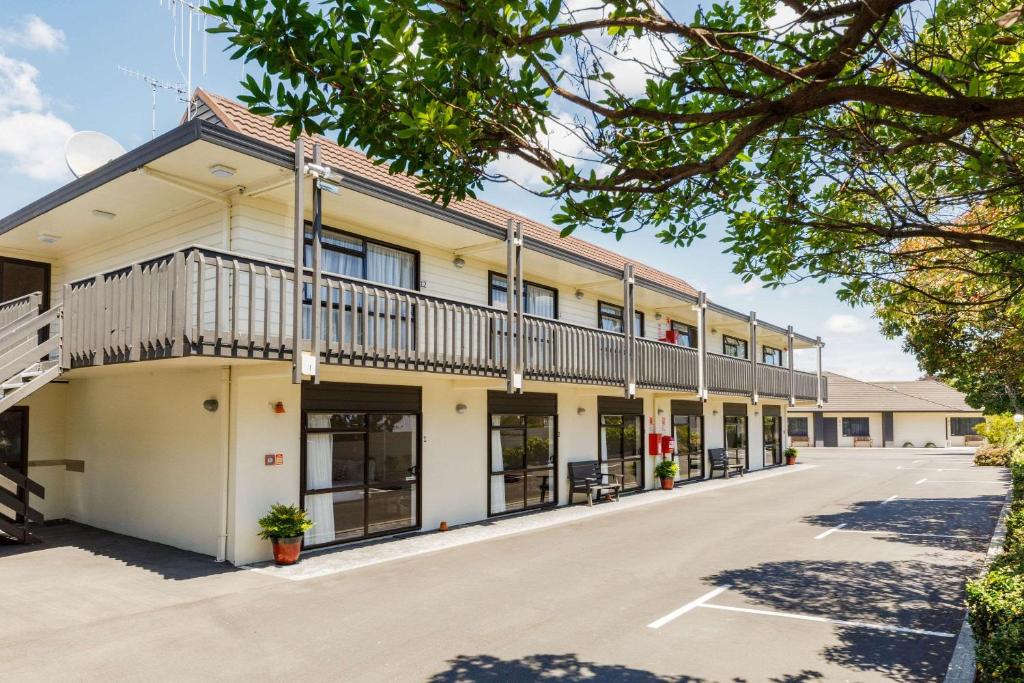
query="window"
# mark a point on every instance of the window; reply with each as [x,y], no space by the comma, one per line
[771,356]
[621,439]
[689,434]
[731,346]
[964,426]
[771,432]
[686,335]
[537,299]
[856,426]
[523,463]
[736,439]
[347,254]
[609,317]
[798,426]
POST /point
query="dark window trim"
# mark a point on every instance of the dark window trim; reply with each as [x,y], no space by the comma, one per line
[622,316]
[641,482]
[490,290]
[954,431]
[365,240]
[746,437]
[303,490]
[746,347]
[703,446]
[764,355]
[764,441]
[491,473]
[47,268]
[691,332]
[847,420]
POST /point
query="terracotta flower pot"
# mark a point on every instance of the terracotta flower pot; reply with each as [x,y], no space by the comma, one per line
[667,483]
[790,459]
[286,550]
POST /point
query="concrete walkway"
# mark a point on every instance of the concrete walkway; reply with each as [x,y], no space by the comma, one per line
[346,558]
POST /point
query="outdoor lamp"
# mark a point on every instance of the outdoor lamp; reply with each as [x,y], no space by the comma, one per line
[1018,418]
[460,408]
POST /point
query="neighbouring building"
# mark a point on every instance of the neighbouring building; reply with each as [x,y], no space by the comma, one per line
[433,383]
[920,413]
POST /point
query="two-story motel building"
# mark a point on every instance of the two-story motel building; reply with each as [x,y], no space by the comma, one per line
[437,388]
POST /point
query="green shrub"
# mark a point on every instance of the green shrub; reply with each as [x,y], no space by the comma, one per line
[666,469]
[907,444]
[790,452]
[930,444]
[1000,430]
[1000,656]
[284,521]
[996,599]
[991,455]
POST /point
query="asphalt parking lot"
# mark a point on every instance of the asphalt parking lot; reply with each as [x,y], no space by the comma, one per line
[851,570]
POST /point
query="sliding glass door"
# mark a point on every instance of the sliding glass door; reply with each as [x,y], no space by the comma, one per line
[736,440]
[361,474]
[523,462]
[689,435]
[621,448]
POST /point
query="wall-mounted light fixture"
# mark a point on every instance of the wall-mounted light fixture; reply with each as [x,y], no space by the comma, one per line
[221,171]
[211,404]
[579,294]
[461,408]
[714,412]
[661,411]
[657,316]
[714,331]
[47,238]
[279,408]
[581,411]
[458,262]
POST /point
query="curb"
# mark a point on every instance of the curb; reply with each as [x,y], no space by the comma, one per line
[961,666]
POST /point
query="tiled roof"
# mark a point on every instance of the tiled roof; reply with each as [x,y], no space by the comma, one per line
[237,118]
[848,395]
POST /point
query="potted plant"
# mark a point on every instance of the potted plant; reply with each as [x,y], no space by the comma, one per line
[790,456]
[666,470]
[284,526]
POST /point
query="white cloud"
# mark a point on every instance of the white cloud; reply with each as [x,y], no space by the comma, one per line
[32,33]
[744,288]
[31,137]
[844,323]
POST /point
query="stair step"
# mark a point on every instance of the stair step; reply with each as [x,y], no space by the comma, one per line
[8,386]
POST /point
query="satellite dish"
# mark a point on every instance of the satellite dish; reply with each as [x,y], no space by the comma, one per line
[87,150]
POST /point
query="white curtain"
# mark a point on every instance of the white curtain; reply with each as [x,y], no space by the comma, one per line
[540,302]
[604,448]
[390,266]
[497,465]
[319,475]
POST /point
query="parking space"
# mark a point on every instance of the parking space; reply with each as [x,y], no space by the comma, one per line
[848,570]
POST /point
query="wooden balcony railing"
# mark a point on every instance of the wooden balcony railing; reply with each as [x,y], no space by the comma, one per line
[205,302]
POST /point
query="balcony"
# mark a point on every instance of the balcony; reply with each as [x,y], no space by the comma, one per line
[205,302]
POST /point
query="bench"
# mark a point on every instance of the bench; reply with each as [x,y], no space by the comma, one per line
[720,461]
[862,442]
[586,477]
[795,441]
[974,440]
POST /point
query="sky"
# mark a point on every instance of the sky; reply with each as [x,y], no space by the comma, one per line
[59,74]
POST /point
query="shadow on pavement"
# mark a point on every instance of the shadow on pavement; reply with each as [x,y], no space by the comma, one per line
[914,521]
[906,594]
[170,563]
[569,668]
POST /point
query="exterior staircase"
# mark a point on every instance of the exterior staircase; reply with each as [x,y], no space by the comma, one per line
[30,346]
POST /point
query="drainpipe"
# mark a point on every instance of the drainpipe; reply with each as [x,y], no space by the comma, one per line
[225,425]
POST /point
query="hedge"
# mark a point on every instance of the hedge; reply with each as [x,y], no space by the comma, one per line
[991,455]
[995,602]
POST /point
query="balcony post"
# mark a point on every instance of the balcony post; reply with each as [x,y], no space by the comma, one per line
[314,313]
[792,371]
[818,383]
[515,339]
[628,314]
[753,357]
[299,248]
[702,347]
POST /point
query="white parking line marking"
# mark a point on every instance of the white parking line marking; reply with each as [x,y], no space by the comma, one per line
[837,622]
[920,481]
[963,481]
[823,534]
[904,533]
[889,500]
[658,623]
[950,500]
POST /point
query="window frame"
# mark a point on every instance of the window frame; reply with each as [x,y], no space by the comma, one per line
[622,318]
[806,428]
[527,283]
[726,339]
[848,420]
[765,349]
[691,332]
[308,241]
[970,432]
[526,469]
[639,456]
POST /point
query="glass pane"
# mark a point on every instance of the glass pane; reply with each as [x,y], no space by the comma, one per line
[540,301]
[507,420]
[507,492]
[392,448]
[631,435]
[335,516]
[512,449]
[347,459]
[390,266]
[22,278]
[11,430]
[332,238]
[631,472]
[393,507]
[337,421]
[540,487]
[540,441]
[611,432]
[614,468]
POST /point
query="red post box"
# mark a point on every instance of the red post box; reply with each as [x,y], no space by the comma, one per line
[653,444]
[668,445]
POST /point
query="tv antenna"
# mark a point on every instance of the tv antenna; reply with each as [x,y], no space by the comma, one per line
[196,20]
[155,84]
